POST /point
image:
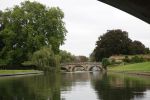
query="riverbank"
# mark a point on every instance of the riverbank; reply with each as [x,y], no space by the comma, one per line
[138,69]
[18,72]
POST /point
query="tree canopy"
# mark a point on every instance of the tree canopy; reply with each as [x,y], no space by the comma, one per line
[66,57]
[115,42]
[28,27]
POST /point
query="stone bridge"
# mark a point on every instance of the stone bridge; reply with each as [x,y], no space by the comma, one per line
[81,66]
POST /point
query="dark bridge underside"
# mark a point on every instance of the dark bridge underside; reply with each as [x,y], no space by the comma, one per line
[137,8]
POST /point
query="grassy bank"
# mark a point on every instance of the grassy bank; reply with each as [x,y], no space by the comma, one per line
[138,67]
[8,72]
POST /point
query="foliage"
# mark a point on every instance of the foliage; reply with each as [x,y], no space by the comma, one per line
[81,58]
[147,51]
[138,48]
[126,59]
[45,58]
[137,59]
[92,57]
[66,56]
[105,63]
[3,62]
[25,29]
[134,59]
[115,42]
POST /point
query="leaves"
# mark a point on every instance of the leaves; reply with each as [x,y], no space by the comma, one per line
[115,42]
[27,28]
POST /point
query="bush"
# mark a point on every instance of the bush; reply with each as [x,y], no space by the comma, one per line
[126,59]
[105,63]
[137,59]
[134,59]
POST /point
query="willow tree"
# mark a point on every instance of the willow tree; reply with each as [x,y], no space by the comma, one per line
[24,29]
[45,59]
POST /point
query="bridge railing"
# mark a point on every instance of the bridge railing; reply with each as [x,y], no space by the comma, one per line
[82,63]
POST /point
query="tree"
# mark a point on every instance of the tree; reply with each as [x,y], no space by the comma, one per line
[147,50]
[45,58]
[1,37]
[137,47]
[105,63]
[25,29]
[81,58]
[112,42]
[66,56]
[115,42]
[1,43]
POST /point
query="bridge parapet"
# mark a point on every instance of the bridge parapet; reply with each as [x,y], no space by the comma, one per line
[83,63]
[86,66]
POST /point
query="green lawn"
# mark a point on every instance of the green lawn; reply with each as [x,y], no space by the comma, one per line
[16,71]
[140,67]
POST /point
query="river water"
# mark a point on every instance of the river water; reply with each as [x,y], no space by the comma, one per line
[75,86]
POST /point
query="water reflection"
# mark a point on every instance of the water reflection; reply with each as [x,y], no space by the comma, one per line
[98,86]
[121,87]
[42,87]
[75,86]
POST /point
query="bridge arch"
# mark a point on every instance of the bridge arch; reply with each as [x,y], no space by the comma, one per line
[95,68]
[64,69]
[80,67]
[86,66]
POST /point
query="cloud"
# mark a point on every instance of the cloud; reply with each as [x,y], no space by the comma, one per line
[86,20]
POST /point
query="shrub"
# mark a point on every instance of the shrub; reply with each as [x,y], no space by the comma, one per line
[126,59]
[105,63]
[137,59]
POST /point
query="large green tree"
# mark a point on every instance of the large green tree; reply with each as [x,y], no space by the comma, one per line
[26,28]
[115,42]
[137,47]
[112,42]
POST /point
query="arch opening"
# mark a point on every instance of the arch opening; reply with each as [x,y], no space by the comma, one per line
[95,68]
[64,69]
[78,68]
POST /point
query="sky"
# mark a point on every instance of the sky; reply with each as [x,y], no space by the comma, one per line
[86,20]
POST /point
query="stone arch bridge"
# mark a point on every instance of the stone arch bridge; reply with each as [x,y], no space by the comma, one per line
[81,66]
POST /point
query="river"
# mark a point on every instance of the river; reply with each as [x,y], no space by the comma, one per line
[75,86]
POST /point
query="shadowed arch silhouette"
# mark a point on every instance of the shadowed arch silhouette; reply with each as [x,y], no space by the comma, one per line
[137,8]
